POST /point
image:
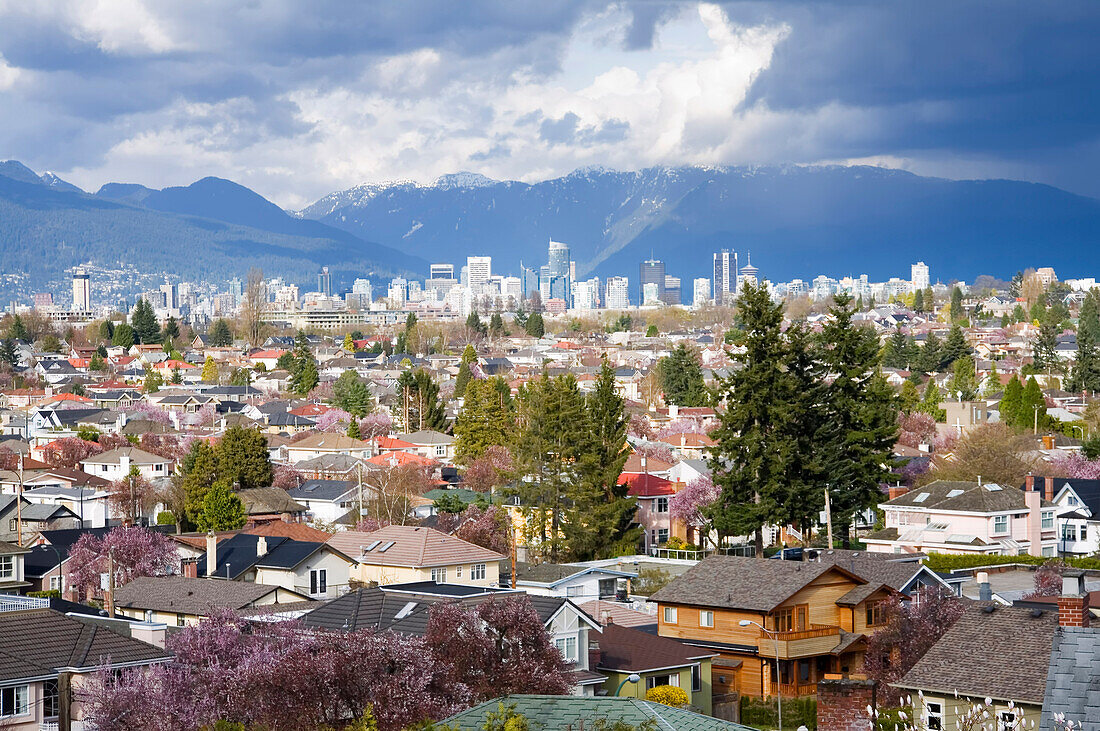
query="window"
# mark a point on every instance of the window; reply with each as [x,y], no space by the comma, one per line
[662,505]
[1000,524]
[577,590]
[441,450]
[7,567]
[1007,720]
[477,571]
[934,711]
[662,536]
[706,618]
[567,646]
[803,672]
[439,575]
[14,701]
[1082,533]
[875,614]
[1048,520]
[318,581]
[12,525]
[783,620]
[51,699]
[180,620]
[1069,532]
[1048,551]
[56,583]
[653,681]
[670,615]
[696,679]
[458,572]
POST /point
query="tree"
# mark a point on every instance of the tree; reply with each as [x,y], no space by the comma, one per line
[135,552]
[915,429]
[51,344]
[474,326]
[17,330]
[1048,580]
[254,307]
[177,376]
[209,370]
[1045,349]
[489,527]
[123,336]
[220,334]
[992,451]
[911,629]
[469,358]
[918,301]
[303,373]
[243,458]
[930,404]
[421,404]
[1086,367]
[964,380]
[353,429]
[651,331]
[691,506]
[954,348]
[352,394]
[69,452]
[199,470]
[535,327]
[496,326]
[8,354]
[171,330]
[486,419]
[1011,402]
[681,376]
[221,510]
[909,399]
[931,355]
[131,497]
[859,417]
[97,363]
[898,351]
[393,488]
[144,322]
[153,380]
[1033,406]
[956,304]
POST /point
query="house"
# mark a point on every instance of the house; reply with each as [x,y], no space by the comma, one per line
[817,616]
[35,516]
[561,713]
[265,504]
[326,443]
[12,577]
[968,518]
[658,660]
[400,554]
[606,612]
[652,493]
[1078,506]
[326,501]
[47,655]
[433,445]
[309,568]
[178,601]
[115,464]
[579,583]
[268,358]
[405,608]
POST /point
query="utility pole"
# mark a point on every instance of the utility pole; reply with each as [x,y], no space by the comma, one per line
[405,390]
[360,465]
[111,582]
[19,506]
[512,531]
[829,517]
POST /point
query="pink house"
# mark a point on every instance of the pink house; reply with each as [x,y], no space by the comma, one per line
[652,493]
[968,517]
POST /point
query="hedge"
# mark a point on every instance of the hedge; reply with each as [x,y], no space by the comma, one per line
[945,563]
[760,713]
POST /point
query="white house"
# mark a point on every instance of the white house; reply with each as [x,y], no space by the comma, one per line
[579,583]
[116,463]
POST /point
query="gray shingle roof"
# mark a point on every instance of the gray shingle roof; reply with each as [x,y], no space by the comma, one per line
[965,497]
[1003,654]
[193,596]
[1073,677]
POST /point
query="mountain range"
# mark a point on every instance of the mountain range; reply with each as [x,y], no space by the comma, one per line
[794,221]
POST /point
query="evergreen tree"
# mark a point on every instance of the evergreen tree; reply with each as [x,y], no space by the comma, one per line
[601,510]
[1011,403]
[930,403]
[123,336]
[474,326]
[18,330]
[496,325]
[106,330]
[95,364]
[176,377]
[536,328]
[1004,320]
[909,399]
[221,510]
[859,304]
[956,304]
[220,334]
[681,375]
[243,458]
[860,419]
[931,355]
[929,300]
[420,402]
[918,301]
[349,344]
[750,460]
[8,353]
[144,322]
[1018,314]
[469,357]
[352,394]
[803,499]
[241,377]
[992,383]
[303,374]
[1045,351]
[954,348]
[171,330]
[199,470]
[1088,320]
[1033,407]
[487,419]
[353,429]
[209,370]
[1086,367]
[153,380]
[964,380]
[898,351]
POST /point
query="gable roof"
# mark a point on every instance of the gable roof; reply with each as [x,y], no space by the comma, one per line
[329,441]
[627,650]
[137,457]
[268,500]
[39,641]
[194,596]
[618,613]
[1002,654]
[969,497]
[555,573]
[737,582]
[238,554]
[326,490]
[647,485]
[558,713]
[414,546]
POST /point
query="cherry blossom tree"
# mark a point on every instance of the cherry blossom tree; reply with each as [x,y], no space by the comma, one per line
[916,428]
[657,450]
[488,527]
[375,424]
[1077,466]
[168,446]
[681,426]
[110,441]
[1048,580]
[131,497]
[639,427]
[333,420]
[688,505]
[69,452]
[286,477]
[137,552]
[149,412]
[488,470]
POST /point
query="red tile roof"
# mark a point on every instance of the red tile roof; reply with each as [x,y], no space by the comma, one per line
[647,485]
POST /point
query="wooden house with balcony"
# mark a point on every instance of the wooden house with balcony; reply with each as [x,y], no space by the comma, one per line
[815,616]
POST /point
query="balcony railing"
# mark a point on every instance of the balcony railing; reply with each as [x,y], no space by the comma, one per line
[818,639]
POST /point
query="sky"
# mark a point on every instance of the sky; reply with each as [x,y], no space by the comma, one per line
[296,100]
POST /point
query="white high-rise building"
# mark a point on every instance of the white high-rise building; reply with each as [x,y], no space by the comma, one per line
[651,294]
[478,270]
[618,293]
[512,287]
[82,291]
[362,286]
[399,292]
[918,276]
[701,292]
[724,278]
[586,294]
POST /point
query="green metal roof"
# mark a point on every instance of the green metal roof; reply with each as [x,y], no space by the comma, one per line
[561,712]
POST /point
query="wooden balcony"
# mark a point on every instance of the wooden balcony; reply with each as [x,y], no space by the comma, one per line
[818,639]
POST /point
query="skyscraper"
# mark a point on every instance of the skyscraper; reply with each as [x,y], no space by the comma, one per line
[919,278]
[442,271]
[748,274]
[724,280]
[558,272]
[618,293]
[478,270]
[701,293]
[672,291]
[651,271]
[82,291]
[324,282]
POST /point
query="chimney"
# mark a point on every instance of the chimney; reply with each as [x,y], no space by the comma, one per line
[673,411]
[1048,441]
[149,632]
[1029,482]
[211,554]
[1073,604]
[1048,492]
[985,592]
[1034,522]
[644,463]
[189,569]
[261,546]
[898,490]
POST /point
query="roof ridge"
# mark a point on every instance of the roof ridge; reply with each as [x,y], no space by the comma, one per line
[82,647]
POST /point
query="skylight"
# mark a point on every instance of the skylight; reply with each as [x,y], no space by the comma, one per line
[386,546]
[406,610]
[371,547]
[921,498]
[993,487]
[955,493]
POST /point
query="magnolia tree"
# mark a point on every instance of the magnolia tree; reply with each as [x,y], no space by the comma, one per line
[689,505]
[281,677]
[333,420]
[136,552]
[376,424]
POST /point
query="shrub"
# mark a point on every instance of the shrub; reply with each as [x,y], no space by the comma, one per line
[667,695]
[945,563]
[165,517]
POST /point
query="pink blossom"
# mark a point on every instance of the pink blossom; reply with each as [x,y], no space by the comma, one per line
[149,412]
[375,425]
[688,504]
[1076,465]
[333,420]
[137,552]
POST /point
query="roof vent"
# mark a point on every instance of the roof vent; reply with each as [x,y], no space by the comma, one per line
[989,609]
[1036,613]
[386,546]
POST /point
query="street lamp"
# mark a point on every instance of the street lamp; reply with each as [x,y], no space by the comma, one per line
[632,678]
[778,680]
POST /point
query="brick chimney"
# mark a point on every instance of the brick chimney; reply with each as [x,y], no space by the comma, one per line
[1029,482]
[1048,489]
[189,568]
[896,490]
[842,704]
[1073,604]
[211,554]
